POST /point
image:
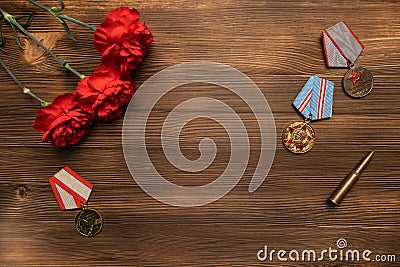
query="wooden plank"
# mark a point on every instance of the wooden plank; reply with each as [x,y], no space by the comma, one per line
[277,44]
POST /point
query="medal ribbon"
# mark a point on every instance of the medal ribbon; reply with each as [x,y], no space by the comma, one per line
[70,189]
[314,101]
[341,45]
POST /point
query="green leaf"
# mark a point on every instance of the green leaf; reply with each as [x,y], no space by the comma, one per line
[66,28]
[61,4]
[29,21]
[16,37]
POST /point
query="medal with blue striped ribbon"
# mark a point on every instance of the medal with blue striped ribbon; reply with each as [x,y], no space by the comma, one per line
[342,48]
[314,102]
[73,192]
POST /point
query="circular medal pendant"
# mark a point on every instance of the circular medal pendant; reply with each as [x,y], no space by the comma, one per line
[298,137]
[88,222]
[358,82]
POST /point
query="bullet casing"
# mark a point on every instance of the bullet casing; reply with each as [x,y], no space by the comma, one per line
[348,182]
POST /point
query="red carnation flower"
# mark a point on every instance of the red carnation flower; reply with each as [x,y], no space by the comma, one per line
[63,122]
[105,93]
[122,40]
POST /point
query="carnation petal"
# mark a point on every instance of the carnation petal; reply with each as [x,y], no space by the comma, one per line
[117,13]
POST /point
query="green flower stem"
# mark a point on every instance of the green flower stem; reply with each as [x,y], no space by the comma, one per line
[21,85]
[60,61]
[58,14]
[61,15]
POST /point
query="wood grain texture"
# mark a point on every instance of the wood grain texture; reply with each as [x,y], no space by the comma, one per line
[277,44]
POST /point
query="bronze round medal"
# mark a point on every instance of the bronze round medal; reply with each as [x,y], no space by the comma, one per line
[358,82]
[298,137]
[88,222]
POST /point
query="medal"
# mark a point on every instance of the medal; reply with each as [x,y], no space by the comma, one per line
[73,192]
[342,48]
[298,137]
[314,102]
[358,82]
[88,222]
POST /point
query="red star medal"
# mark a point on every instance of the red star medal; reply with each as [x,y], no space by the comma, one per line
[356,77]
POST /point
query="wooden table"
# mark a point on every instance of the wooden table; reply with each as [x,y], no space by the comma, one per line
[278,45]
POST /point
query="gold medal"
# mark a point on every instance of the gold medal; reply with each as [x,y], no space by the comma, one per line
[314,102]
[88,222]
[298,137]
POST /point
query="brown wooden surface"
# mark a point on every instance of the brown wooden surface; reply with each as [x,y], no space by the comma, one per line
[275,43]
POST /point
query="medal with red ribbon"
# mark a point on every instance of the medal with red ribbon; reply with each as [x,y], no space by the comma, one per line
[73,192]
[314,102]
[342,48]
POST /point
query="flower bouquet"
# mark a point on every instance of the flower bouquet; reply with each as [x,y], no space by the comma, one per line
[122,40]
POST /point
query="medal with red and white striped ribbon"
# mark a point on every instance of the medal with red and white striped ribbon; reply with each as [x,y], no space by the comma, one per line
[341,45]
[70,189]
[73,192]
[314,102]
[342,48]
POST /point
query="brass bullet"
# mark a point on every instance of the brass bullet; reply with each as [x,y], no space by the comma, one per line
[338,195]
